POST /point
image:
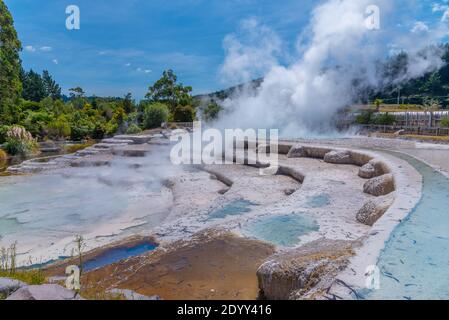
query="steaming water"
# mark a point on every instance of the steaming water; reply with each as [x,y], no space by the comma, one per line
[38,211]
[415,261]
[283,230]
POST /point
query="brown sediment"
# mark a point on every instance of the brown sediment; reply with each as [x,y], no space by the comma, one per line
[212,265]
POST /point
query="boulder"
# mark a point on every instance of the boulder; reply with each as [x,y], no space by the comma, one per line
[44,292]
[291,172]
[380,186]
[367,171]
[373,168]
[374,209]
[360,159]
[303,272]
[338,157]
[8,286]
[297,151]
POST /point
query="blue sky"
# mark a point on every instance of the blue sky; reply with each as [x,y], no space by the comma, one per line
[125,45]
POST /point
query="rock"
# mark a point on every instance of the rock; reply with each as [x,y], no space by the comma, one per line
[8,286]
[291,172]
[132,295]
[338,157]
[380,186]
[136,139]
[373,168]
[297,151]
[374,209]
[44,292]
[303,272]
[367,171]
[380,167]
[117,141]
[360,159]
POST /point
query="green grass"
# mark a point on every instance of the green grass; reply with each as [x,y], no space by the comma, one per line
[32,277]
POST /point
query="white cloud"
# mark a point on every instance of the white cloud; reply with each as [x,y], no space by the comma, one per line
[147,70]
[55,61]
[420,27]
[128,64]
[30,48]
[45,48]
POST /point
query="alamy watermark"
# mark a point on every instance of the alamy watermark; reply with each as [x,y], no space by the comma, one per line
[254,147]
[372,20]
[73,21]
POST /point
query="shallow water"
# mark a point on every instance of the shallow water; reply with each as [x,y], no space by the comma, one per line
[40,210]
[117,254]
[415,261]
[319,201]
[282,230]
[233,208]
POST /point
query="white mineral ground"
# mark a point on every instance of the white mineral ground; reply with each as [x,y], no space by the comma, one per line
[180,209]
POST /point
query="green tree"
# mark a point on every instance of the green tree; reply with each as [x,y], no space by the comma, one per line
[211,112]
[76,93]
[166,90]
[128,103]
[154,115]
[52,89]
[184,114]
[10,66]
[378,103]
[33,86]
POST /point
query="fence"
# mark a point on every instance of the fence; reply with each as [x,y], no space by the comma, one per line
[417,130]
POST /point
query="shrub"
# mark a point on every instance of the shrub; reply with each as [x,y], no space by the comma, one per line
[384,119]
[59,128]
[3,156]
[3,131]
[364,118]
[133,129]
[154,115]
[445,122]
[184,114]
[19,141]
[211,112]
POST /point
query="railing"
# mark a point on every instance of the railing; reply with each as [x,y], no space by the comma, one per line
[418,130]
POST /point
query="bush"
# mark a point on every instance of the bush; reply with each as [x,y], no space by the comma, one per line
[133,129]
[3,155]
[445,122]
[364,118]
[3,131]
[211,112]
[154,115]
[20,142]
[384,119]
[59,128]
[184,114]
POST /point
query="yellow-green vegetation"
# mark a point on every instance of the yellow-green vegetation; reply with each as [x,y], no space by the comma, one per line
[8,267]
[3,155]
[32,277]
[79,146]
[444,122]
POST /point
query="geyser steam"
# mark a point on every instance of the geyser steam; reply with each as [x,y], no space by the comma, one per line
[335,49]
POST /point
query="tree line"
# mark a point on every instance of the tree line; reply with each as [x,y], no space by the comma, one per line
[33,103]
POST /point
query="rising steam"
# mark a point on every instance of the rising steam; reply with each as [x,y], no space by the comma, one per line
[336,48]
